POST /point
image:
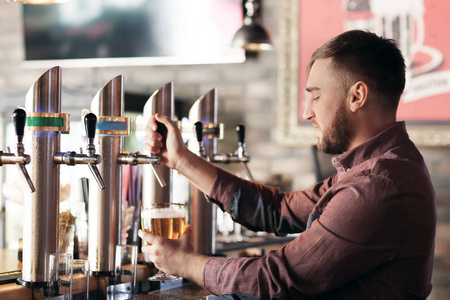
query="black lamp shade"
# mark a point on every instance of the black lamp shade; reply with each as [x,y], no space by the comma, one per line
[252,37]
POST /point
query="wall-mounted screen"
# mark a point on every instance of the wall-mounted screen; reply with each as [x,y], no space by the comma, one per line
[86,33]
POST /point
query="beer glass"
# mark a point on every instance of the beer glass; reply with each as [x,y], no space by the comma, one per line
[167,220]
[61,276]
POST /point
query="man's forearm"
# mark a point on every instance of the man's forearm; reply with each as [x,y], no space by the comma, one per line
[193,265]
[198,171]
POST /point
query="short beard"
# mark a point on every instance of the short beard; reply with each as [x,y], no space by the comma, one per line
[337,139]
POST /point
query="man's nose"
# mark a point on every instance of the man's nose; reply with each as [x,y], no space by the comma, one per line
[308,113]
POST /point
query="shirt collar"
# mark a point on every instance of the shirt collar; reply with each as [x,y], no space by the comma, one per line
[377,145]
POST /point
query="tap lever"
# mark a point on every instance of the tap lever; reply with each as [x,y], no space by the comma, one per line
[161,129]
[90,125]
[240,130]
[242,151]
[198,127]
[19,117]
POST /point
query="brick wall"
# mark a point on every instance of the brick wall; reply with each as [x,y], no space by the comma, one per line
[247,93]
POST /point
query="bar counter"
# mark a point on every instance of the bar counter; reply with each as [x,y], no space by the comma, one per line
[10,270]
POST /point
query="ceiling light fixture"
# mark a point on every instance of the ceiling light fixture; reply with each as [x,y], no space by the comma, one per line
[252,36]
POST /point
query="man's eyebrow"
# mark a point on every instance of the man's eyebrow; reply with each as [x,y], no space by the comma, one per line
[310,89]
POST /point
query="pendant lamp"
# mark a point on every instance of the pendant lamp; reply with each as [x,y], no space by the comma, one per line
[252,36]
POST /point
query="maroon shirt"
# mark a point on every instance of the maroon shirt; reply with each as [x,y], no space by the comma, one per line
[374,238]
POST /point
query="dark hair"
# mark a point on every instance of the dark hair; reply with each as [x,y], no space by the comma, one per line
[361,55]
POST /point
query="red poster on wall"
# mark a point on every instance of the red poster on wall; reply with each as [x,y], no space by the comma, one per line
[419,26]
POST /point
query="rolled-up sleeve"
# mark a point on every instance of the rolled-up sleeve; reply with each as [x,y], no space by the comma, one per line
[264,208]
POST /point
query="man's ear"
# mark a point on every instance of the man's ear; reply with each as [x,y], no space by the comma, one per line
[358,94]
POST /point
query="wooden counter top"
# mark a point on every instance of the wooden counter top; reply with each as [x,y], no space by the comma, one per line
[18,292]
[10,265]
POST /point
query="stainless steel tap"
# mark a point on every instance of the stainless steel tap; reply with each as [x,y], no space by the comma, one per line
[71,158]
[239,156]
[20,159]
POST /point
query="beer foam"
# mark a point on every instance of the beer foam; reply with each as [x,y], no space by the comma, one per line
[166,213]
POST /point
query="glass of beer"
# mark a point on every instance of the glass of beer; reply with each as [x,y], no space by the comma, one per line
[167,220]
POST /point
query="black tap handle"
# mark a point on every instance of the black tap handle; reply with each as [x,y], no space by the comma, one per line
[161,129]
[90,124]
[198,126]
[240,129]
[19,117]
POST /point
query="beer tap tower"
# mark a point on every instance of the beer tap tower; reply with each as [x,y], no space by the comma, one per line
[41,209]
[162,102]
[105,206]
[203,213]
[207,131]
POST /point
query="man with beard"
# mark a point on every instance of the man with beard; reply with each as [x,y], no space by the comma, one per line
[366,233]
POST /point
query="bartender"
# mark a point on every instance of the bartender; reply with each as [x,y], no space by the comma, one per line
[366,232]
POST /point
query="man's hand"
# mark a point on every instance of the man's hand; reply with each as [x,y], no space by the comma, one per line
[170,150]
[176,155]
[167,254]
[175,257]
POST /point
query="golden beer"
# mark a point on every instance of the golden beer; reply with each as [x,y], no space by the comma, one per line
[171,228]
[164,219]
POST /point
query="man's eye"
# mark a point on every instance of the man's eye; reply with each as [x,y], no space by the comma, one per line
[315,98]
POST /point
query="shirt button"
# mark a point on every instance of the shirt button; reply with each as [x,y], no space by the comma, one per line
[347,170]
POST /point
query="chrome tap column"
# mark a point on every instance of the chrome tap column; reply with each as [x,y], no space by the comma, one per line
[41,208]
[203,213]
[207,131]
[162,102]
[105,205]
